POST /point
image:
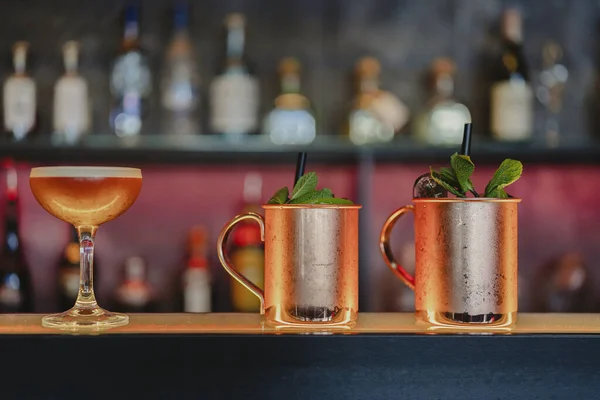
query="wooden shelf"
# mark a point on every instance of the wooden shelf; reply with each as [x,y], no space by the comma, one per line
[212,149]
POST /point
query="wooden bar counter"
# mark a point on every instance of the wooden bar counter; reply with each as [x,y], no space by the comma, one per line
[223,356]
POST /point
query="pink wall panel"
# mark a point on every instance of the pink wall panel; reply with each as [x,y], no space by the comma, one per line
[560,212]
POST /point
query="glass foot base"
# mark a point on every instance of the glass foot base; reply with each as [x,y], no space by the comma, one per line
[85,319]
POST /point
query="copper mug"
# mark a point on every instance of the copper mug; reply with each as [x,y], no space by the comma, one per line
[465,260]
[311,263]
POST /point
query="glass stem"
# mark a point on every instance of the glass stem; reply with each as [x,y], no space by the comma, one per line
[86,297]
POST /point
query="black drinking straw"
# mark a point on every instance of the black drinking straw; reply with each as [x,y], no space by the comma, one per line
[465,148]
[300,163]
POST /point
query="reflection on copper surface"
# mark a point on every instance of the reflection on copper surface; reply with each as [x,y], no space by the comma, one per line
[466,261]
[311,264]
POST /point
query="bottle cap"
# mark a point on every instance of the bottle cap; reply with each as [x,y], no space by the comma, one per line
[197,243]
[246,235]
[289,65]
[20,56]
[443,66]
[71,55]
[235,20]
[368,66]
[512,25]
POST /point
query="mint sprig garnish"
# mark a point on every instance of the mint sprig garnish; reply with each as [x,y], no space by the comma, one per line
[508,172]
[457,178]
[305,192]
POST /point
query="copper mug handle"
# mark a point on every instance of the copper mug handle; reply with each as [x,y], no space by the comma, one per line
[226,262]
[386,251]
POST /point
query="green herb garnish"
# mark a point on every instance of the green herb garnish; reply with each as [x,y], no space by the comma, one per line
[305,192]
[457,178]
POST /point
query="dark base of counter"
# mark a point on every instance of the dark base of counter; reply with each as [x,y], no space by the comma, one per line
[300,367]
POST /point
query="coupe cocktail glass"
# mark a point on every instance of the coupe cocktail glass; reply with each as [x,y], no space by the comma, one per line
[85,197]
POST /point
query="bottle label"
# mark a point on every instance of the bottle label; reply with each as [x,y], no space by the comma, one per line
[389,109]
[179,92]
[235,102]
[366,128]
[134,296]
[290,126]
[197,291]
[249,263]
[71,108]
[19,106]
[131,74]
[10,296]
[511,111]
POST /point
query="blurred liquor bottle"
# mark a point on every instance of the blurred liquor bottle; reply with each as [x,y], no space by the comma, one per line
[68,272]
[550,90]
[564,284]
[135,295]
[511,93]
[442,122]
[196,280]
[180,82]
[234,93]
[20,111]
[247,250]
[291,121]
[16,295]
[376,115]
[130,80]
[72,118]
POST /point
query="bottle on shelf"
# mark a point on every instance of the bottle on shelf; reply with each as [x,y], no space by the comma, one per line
[68,272]
[196,277]
[247,250]
[443,120]
[20,111]
[15,282]
[376,115]
[511,96]
[180,83]
[130,81]
[71,100]
[550,91]
[135,295]
[291,121]
[234,93]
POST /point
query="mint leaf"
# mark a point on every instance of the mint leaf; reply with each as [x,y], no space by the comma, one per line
[280,196]
[306,184]
[507,173]
[463,169]
[313,197]
[334,200]
[447,174]
[497,193]
[441,180]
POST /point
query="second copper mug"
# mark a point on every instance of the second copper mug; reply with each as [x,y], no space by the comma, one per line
[311,263]
[465,261]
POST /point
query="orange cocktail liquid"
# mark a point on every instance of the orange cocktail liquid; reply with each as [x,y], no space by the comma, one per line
[86,201]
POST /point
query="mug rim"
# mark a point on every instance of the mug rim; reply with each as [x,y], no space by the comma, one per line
[312,206]
[465,200]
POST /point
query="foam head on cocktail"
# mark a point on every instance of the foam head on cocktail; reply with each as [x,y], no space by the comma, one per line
[86,197]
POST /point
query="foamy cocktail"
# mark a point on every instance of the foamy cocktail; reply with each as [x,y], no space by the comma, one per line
[86,197]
